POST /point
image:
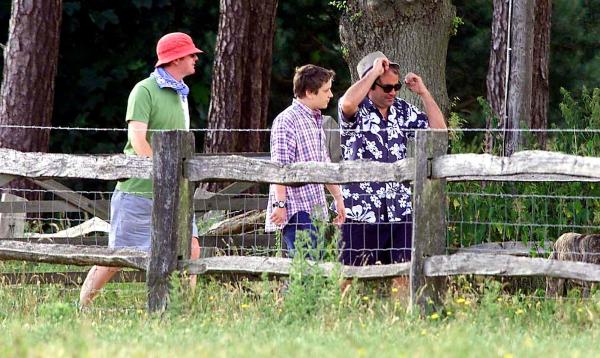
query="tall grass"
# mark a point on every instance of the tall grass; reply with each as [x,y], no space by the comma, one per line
[257,318]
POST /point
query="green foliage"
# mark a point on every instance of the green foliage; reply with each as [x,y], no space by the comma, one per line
[580,115]
[341,5]
[107,47]
[306,32]
[574,60]
[309,291]
[531,212]
[456,23]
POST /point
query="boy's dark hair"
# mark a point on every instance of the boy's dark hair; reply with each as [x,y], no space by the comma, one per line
[310,78]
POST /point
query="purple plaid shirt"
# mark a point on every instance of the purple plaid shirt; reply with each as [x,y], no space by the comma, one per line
[297,136]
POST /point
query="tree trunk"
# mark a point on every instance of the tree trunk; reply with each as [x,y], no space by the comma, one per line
[496,76]
[528,89]
[241,76]
[30,63]
[519,91]
[540,82]
[414,33]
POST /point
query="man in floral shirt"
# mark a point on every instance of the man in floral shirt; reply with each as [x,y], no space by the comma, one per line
[375,126]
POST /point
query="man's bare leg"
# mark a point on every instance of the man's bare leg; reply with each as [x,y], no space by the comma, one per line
[95,280]
[194,254]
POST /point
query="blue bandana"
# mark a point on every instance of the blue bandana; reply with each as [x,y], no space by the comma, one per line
[164,79]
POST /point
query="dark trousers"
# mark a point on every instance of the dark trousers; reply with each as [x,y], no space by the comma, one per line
[368,244]
[300,221]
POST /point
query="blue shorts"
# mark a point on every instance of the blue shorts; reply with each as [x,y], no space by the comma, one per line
[131,221]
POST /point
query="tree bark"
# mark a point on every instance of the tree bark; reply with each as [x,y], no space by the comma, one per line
[241,76]
[496,76]
[30,65]
[414,33]
[540,81]
[528,86]
[521,60]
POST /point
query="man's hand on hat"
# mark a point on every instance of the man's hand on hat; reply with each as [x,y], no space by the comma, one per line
[415,84]
[380,65]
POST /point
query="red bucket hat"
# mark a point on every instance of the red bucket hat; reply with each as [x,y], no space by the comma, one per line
[173,46]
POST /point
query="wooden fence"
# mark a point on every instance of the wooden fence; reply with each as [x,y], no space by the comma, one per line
[176,168]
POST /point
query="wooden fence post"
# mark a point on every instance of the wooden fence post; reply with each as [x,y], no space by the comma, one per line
[171,213]
[429,220]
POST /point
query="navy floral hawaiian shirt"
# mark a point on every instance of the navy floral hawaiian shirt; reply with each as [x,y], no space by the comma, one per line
[367,136]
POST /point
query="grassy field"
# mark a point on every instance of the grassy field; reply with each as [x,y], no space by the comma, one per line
[310,319]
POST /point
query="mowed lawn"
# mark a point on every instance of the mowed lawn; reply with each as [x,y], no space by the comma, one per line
[311,319]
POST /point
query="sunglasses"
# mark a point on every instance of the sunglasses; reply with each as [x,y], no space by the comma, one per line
[389,88]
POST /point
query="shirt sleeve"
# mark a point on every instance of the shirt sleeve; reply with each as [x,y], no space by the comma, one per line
[346,122]
[415,119]
[139,105]
[283,141]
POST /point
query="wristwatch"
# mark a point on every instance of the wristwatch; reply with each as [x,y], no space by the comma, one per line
[280,204]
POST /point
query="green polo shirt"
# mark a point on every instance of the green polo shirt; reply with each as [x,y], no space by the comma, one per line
[160,108]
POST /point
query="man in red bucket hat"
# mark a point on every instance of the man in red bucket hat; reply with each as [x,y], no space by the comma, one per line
[158,102]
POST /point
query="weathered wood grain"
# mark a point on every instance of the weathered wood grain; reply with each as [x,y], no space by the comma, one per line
[99,208]
[54,165]
[231,168]
[505,265]
[277,266]
[531,165]
[522,166]
[37,206]
[429,220]
[72,255]
[515,248]
[171,213]
[95,240]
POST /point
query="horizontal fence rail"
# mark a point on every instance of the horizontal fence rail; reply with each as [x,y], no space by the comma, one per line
[435,266]
[228,168]
[521,166]
[533,165]
[278,266]
[72,254]
[52,165]
[505,265]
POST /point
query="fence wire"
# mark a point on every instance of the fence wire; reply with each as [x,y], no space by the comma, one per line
[531,214]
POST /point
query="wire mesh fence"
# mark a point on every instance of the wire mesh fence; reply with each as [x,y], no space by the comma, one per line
[232,222]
